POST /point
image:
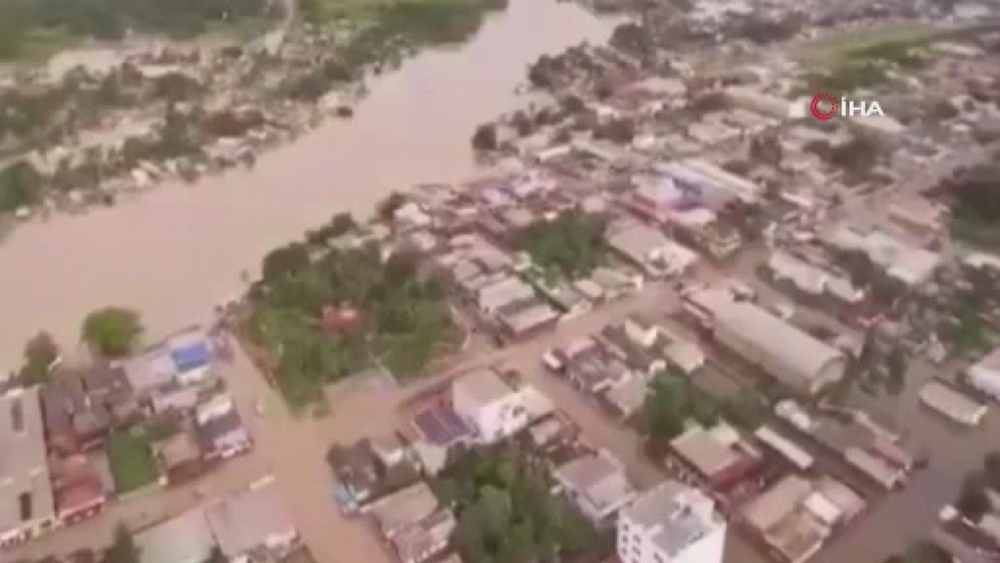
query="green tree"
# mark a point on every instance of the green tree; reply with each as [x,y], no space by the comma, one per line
[341,224]
[485,138]
[20,185]
[663,411]
[572,245]
[991,465]
[285,262]
[216,556]
[112,331]
[972,501]
[896,364]
[123,549]
[39,354]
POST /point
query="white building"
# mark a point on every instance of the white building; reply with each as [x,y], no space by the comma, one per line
[650,249]
[985,374]
[494,408]
[671,524]
[597,484]
[952,404]
[26,504]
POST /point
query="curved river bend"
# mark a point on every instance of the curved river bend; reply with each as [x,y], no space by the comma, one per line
[177,251]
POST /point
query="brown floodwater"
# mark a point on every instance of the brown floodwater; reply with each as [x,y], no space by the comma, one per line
[177,251]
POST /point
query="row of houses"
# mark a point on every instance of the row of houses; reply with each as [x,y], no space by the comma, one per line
[383,477]
[254,525]
[472,237]
[53,472]
[617,364]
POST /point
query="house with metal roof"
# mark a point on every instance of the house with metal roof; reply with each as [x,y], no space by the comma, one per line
[597,485]
[789,354]
[490,404]
[186,538]
[255,520]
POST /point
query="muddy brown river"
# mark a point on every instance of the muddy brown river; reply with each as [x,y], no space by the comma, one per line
[177,251]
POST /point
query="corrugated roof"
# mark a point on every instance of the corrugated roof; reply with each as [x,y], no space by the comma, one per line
[597,479]
[191,356]
[404,508]
[482,386]
[786,351]
[251,519]
[777,503]
[184,539]
[703,451]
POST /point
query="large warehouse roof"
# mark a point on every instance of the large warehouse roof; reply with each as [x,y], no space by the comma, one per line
[787,352]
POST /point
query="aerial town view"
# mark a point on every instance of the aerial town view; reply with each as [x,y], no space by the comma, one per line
[499,281]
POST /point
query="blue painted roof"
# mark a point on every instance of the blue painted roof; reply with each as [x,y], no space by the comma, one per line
[191,356]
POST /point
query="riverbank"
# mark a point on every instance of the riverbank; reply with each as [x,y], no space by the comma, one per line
[175,253]
[94,126]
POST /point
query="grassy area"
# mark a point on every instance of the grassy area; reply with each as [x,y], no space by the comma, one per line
[975,231]
[131,460]
[836,48]
[33,27]
[381,30]
[859,59]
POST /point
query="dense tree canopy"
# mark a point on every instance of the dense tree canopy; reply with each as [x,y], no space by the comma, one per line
[285,262]
[20,185]
[112,331]
[572,245]
[976,204]
[123,549]
[673,401]
[112,19]
[326,316]
[39,354]
[897,365]
[506,513]
[485,137]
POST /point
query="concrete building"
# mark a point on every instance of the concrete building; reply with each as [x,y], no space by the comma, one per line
[26,499]
[787,353]
[904,262]
[718,455]
[811,280]
[952,404]
[788,449]
[503,293]
[651,250]
[671,523]
[985,374]
[491,405]
[597,485]
[186,538]
[255,520]
[414,523]
[796,516]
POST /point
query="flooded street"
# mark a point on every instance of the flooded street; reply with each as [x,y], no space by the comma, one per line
[174,253]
